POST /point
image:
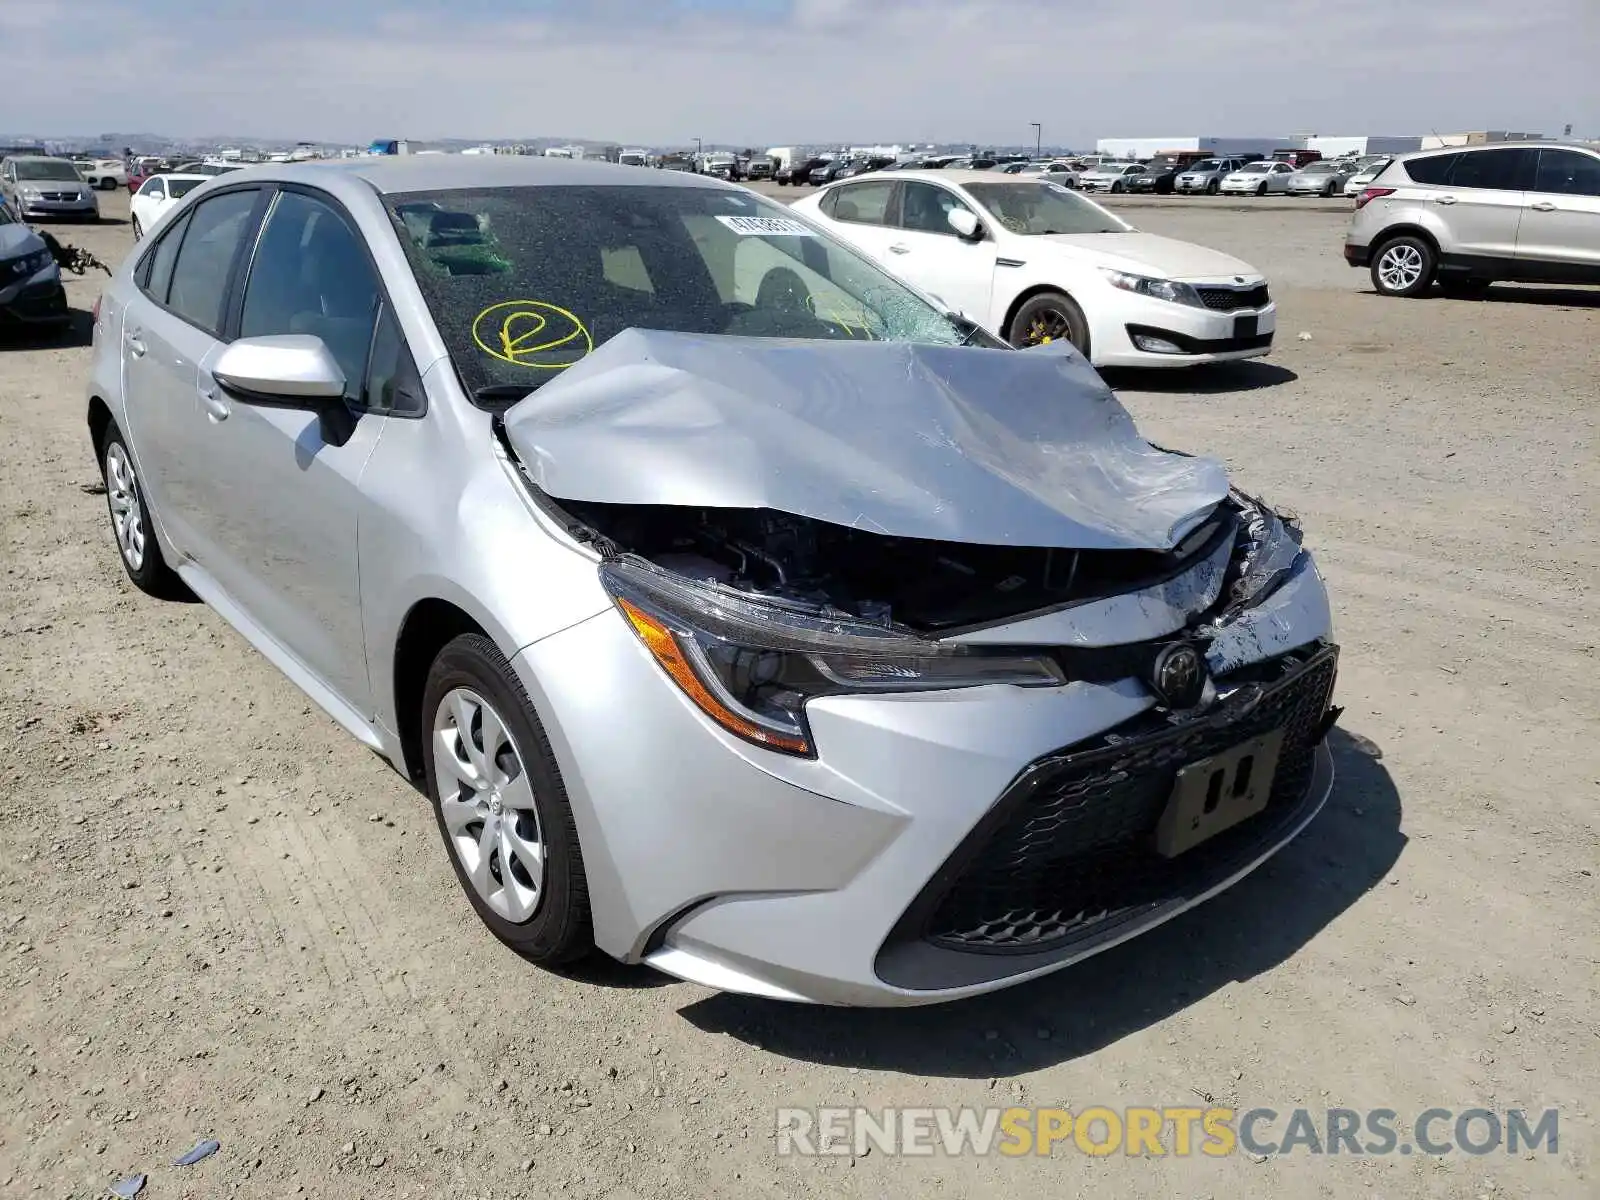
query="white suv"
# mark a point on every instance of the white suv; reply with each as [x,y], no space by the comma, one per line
[1470,216]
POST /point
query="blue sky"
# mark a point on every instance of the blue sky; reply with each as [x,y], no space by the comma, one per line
[781,71]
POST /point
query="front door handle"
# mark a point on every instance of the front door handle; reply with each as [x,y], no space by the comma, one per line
[216,407]
[1446,200]
[898,248]
[1543,206]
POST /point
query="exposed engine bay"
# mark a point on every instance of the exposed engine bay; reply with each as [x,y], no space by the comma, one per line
[930,587]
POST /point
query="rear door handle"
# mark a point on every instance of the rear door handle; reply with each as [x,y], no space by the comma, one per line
[1543,206]
[1446,200]
[136,346]
[216,407]
[898,248]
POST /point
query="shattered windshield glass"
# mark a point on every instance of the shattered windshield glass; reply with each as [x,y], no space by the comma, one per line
[525,281]
[1041,207]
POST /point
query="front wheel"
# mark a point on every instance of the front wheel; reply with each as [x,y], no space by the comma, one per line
[1049,317]
[501,806]
[1213,188]
[138,230]
[1261,189]
[1404,267]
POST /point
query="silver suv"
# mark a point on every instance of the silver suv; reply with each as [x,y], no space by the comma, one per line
[1467,217]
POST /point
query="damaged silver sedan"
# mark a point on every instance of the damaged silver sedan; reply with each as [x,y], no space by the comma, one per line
[740,611]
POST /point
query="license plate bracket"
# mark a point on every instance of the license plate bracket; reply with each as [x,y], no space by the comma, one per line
[1246,327]
[1217,793]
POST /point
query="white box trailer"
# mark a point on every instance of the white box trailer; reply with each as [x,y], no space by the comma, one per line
[1336,147]
[1148,147]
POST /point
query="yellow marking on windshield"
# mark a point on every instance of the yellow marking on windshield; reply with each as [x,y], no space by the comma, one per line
[513,331]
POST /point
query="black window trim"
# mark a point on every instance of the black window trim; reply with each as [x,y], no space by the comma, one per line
[234,306]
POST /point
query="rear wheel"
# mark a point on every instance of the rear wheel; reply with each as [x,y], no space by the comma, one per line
[501,806]
[1049,317]
[131,522]
[1404,267]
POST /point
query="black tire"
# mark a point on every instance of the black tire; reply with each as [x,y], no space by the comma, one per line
[108,184]
[1213,188]
[138,231]
[1261,188]
[1048,316]
[1404,266]
[561,929]
[1327,192]
[1118,187]
[150,574]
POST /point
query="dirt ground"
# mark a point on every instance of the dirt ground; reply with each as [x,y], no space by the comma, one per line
[219,917]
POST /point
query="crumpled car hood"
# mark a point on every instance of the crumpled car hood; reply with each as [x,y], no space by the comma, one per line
[998,447]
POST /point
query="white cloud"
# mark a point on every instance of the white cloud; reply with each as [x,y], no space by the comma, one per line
[977,70]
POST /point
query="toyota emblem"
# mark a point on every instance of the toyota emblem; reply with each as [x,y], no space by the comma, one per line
[1178,675]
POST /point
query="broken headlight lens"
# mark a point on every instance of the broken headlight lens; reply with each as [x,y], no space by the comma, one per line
[750,664]
[1268,552]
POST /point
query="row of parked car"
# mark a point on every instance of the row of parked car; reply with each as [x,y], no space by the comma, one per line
[1288,172]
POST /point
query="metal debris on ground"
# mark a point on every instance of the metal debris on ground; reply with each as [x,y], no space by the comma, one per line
[201,1150]
[128,1188]
[72,258]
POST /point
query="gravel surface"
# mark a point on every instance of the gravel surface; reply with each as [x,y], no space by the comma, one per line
[220,918]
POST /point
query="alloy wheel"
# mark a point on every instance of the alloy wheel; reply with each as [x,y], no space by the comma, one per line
[127,510]
[1049,325]
[1400,266]
[487,805]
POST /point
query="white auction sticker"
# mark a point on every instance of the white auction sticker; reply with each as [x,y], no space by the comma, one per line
[766,226]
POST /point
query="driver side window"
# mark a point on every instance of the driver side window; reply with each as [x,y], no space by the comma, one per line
[311,275]
[926,208]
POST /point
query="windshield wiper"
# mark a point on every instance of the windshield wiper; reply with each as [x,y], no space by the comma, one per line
[960,322]
[501,393]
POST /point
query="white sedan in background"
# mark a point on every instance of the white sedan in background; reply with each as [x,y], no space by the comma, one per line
[1036,263]
[157,196]
[1258,178]
[105,174]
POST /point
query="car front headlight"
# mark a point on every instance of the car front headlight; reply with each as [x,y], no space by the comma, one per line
[751,663]
[29,191]
[1267,552]
[21,268]
[1158,289]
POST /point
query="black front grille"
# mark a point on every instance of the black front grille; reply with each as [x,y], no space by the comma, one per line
[1226,299]
[1069,849]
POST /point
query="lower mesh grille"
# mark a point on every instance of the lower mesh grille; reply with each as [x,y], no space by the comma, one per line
[1073,852]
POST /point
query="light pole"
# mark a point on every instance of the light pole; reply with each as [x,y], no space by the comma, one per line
[1038,138]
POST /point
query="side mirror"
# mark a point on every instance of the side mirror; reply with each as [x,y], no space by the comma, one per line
[289,370]
[965,224]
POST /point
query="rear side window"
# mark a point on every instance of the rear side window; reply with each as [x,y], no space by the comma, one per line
[1568,173]
[863,203]
[1433,170]
[1492,170]
[200,276]
[155,272]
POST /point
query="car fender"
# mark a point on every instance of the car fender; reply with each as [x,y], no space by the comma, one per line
[1053,271]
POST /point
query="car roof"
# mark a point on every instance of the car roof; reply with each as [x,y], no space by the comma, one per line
[391,174]
[959,176]
[1529,144]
